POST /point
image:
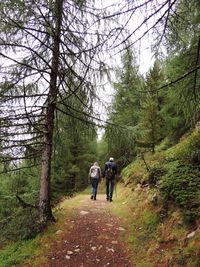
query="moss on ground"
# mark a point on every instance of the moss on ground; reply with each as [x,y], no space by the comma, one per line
[158,215]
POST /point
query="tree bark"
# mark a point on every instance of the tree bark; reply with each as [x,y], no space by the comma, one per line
[45,178]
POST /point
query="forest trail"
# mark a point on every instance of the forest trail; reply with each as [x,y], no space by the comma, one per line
[90,237]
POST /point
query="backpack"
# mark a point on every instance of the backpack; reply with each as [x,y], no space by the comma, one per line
[94,173]
[109,173]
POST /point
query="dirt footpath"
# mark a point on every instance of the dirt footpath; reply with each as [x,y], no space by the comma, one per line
[93,239]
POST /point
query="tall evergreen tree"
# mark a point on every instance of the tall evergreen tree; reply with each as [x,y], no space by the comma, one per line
[49,50]
[151,121]
[183,39]
[125,109]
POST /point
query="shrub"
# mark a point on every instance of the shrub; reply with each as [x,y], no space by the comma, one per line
[156,172]
[188,148]
[181,184]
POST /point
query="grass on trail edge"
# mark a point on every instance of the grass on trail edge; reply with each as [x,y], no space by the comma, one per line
[21,252]
[152,242]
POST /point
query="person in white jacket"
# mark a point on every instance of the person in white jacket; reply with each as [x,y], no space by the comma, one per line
[94,177]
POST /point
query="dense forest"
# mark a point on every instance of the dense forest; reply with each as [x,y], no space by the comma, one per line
[55,55]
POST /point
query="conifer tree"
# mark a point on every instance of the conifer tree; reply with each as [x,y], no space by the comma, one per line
[125,109]
[183,43]
[151,121]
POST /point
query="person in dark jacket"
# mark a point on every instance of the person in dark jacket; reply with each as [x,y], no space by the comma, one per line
[109,174]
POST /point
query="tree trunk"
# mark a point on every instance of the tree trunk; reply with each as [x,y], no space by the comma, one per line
[45,178]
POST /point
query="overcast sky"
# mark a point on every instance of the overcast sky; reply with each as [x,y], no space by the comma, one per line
[142,49]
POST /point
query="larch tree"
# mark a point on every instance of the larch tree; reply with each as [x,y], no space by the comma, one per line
[48,52]
[51,50]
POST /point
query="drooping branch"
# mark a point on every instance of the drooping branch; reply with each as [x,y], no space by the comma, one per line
[195,72]
[19,168]
[25,204]
[145,32]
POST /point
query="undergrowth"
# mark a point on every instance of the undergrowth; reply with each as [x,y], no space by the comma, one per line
[182,185]
[17,253]
[159,228]
[25,251]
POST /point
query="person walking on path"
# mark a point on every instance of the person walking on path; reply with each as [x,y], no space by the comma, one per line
[109,173]
[94,178]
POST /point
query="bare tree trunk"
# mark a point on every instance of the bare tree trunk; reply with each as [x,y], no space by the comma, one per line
[45,178]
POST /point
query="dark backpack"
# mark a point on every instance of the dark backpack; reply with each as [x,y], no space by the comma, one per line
[109,173]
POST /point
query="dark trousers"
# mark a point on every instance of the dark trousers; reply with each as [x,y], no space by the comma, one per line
[109,187]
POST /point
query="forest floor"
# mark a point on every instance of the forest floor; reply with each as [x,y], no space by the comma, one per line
[89,236]
[124,233]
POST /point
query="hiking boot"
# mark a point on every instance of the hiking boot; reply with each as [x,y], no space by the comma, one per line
[107,198]
[110,199]
[94,198]
[91,197]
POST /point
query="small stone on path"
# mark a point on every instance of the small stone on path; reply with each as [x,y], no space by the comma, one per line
[67,257]
[110,249]
[83,212]
[59,232]
[121,229]
[191,235]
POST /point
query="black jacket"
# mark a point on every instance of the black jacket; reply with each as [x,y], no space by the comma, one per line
[113,166]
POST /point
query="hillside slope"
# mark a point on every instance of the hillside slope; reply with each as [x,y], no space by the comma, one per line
[162,193]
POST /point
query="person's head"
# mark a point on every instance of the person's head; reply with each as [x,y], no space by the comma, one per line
[96,164]
[111,159]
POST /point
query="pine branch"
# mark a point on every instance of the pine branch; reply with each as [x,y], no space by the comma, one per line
[9,97]
[23,64]
[195,73]
[18,169]
[25,204]
[147,31]
[8,158]
[19,140]
[92,117]
[15,145]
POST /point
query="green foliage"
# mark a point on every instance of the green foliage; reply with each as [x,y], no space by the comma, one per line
[102,151]
[125,111]
[16,254]
[151,122]
[187,149]
[175,171]
[134,172]
[75,150]
[17,222]
[181,184]
[149,222]
[156,172]
[22,224]
[183,44]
